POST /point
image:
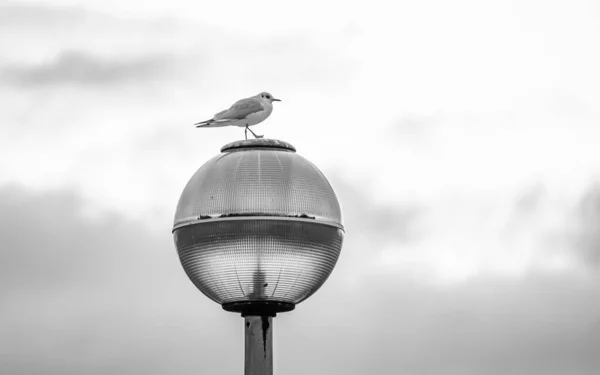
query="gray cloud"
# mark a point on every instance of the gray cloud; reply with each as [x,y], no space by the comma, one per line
[377,221]
[81,296]
[587,232]
[15,15]
[538,325]
[526,208]
[416,127]
[285,61]
[81,68]
[530,200]
[371,227]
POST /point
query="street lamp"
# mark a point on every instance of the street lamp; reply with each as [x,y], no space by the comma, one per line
[258,229]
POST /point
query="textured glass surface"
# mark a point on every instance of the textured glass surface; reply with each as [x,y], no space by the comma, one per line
[258,222]
[259,180]
[258,259]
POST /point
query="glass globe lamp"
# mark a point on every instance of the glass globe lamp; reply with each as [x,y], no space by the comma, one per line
[258,228]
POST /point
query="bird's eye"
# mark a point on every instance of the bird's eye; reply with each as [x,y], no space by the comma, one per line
[268,97]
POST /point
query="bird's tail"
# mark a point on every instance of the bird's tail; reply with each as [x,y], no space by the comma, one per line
[212,123]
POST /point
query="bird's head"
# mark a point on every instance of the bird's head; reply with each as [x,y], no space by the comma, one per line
[268,97]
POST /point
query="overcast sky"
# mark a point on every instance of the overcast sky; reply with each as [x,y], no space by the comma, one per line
[462,139]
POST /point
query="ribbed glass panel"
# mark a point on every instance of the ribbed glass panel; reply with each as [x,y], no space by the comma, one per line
[258,259]
[251,181]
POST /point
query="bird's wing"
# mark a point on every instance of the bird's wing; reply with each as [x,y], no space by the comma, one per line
[241,109]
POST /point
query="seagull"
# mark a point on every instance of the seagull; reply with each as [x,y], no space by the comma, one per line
[243,113]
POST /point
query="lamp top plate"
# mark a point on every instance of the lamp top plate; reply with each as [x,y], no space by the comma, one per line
[258,143]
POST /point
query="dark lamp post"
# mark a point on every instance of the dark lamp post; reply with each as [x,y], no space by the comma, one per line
[258,229]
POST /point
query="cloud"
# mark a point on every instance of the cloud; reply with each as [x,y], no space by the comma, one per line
[19,15]
[371,227]
[83,296]
[135,49]
[415,127]
[81,68]
[91,296]
[586,236]
[80,47]
[530,200]
[379,221]
[537,325]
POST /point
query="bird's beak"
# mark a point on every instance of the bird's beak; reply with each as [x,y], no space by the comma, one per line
[275,100]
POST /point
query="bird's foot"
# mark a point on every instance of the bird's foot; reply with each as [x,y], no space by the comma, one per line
[254,134]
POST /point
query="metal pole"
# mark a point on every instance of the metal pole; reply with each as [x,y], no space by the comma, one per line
[259,345]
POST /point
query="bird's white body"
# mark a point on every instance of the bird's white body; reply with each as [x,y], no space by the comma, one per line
[243,113]
[250,119]
[258,117]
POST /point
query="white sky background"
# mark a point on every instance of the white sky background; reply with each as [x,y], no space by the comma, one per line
[462,137]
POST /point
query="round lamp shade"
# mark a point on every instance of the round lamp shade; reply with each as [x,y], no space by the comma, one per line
[258,226]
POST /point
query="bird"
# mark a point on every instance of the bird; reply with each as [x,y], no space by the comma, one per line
[243,113]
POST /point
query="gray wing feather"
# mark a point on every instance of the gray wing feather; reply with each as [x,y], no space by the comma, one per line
[240,110]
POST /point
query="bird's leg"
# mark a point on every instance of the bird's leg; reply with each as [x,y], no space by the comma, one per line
[255,136]
[246,132]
